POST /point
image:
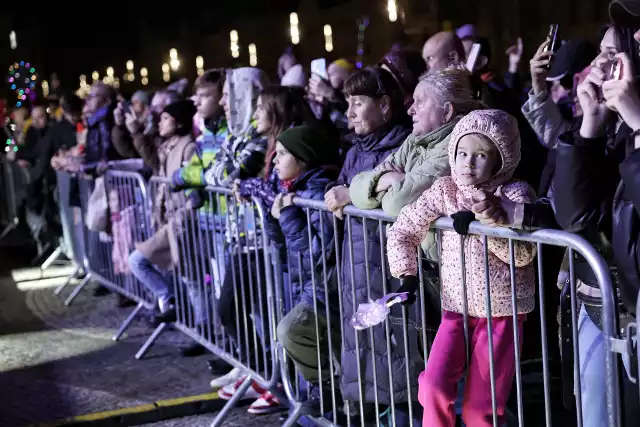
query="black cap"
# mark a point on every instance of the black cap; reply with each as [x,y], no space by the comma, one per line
[625,12]
[572,57]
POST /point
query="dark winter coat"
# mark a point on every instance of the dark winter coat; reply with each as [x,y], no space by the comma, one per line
[301,239]
[368,268]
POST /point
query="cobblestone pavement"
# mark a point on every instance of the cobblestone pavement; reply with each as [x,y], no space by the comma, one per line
[237,418]
[57,361]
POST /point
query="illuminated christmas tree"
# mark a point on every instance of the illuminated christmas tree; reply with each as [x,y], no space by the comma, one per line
[22,81]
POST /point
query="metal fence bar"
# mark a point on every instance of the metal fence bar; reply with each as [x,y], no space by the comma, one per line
[254,273]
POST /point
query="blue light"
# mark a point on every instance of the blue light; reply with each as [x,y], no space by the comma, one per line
[22,63]
[18,104]
[13,87]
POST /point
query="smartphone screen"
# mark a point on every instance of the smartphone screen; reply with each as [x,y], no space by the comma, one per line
[474,52]
[319,67]
[553,37]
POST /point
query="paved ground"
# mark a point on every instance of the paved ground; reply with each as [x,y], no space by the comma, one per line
[57,361]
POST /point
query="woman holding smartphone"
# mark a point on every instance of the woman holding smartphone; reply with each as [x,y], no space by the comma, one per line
[584,189]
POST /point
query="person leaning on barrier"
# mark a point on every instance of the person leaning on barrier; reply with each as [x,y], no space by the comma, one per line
[376,108]
[583,192]
[278,109]
[218,163]
[484,152]
[305,163]
[156,253]
[213,132]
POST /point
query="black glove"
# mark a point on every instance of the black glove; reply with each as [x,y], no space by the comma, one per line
[462,220]
[410,285]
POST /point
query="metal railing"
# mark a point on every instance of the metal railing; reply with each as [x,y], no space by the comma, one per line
[377,370]
[279,310]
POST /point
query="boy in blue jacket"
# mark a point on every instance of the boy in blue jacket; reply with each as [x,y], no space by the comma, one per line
[306,163]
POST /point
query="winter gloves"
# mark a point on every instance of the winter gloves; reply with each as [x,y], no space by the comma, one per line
[462,220]
[410,285]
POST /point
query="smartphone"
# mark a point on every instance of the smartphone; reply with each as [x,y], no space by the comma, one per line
[553,37]
[612,69]
[474,52]
[126,106]
[319,67]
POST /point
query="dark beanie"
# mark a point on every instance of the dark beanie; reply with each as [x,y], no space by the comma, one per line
[182,111]
[311,145]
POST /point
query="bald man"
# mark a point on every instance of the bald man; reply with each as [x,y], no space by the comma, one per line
[443,49]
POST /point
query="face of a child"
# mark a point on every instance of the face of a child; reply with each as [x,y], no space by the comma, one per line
[286,165]
[476,159]
[167,125]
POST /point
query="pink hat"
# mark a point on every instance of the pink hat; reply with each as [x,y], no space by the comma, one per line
[500,128]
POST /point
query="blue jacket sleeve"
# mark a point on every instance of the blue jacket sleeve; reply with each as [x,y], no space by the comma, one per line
[304,236]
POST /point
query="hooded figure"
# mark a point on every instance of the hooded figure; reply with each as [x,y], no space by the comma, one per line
[484,161]
[242,153]
[449,196]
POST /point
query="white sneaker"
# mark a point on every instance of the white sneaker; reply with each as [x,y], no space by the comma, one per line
[253,392]
[227,379]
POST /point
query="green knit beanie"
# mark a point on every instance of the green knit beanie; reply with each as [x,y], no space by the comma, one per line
[311,145]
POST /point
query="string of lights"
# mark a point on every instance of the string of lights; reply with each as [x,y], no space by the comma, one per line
[173,63]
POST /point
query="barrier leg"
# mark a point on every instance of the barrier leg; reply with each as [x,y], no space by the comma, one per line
[147,345]
[51,258]
[127,322]
[65,284]
[224,412]
[77,290]
[294,416]
[8,229]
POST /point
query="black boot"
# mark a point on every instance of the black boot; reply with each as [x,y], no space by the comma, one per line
[193,350]
[101,291]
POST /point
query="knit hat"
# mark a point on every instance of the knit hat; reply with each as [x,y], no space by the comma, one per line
[182,111]
[501,129]
[345,63]
[625,12]
[571,58]
[310,145]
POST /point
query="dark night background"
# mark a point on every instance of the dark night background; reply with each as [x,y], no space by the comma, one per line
[82,37]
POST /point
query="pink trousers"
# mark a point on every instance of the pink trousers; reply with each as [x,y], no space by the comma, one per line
[438,384]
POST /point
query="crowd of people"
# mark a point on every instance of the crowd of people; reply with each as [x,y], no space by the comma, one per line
[420,136]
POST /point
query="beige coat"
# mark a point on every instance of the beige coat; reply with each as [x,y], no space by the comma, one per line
[161,248]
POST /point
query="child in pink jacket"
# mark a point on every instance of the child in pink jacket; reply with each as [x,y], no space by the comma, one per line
[484,151]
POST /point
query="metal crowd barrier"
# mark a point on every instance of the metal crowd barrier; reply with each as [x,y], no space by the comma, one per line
[105,256]
[9,207]
[232,290]
[223,285]
[378,371]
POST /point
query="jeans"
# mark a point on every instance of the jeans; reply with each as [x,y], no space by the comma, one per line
[150,277]
[593,378]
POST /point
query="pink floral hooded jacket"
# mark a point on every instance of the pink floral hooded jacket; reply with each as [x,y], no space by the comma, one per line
[447,197]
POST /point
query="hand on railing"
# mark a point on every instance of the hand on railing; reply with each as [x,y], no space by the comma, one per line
[336,199]
[281,201]
[462,220]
